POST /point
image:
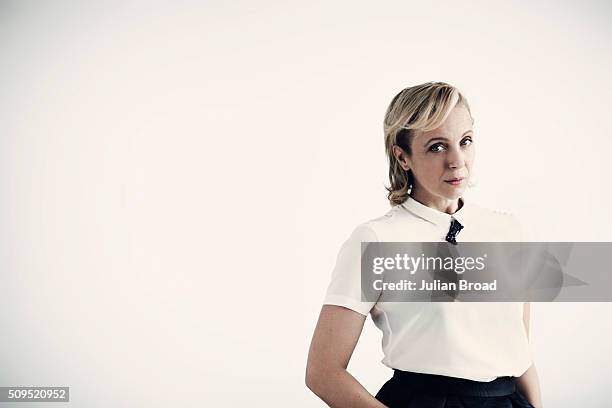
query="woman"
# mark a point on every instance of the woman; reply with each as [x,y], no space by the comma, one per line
[444,354]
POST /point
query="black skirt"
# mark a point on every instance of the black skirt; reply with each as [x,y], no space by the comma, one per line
[415,390]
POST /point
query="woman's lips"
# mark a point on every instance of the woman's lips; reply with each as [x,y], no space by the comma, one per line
[455,181]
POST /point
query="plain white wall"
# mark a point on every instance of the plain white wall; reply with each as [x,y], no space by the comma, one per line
[177,178]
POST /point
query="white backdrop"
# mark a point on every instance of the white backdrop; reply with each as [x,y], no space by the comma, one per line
[177,178]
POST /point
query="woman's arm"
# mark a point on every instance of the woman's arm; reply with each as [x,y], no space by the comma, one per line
[332,346]
[528,383]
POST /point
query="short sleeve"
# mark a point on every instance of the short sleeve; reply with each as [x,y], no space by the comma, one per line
[345,286]
[517,228]
[525,230]
[505,227]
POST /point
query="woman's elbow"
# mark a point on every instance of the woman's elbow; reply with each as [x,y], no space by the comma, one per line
[315,378]
[312,378]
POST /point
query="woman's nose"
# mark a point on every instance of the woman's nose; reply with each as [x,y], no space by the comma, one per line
[455,159]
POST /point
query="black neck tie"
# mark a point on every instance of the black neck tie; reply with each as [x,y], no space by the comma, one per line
[454,229]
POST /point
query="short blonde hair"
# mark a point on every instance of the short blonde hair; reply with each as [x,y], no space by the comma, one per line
[417,108]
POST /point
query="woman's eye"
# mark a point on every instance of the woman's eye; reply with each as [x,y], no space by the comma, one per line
[438,147]
[467,141]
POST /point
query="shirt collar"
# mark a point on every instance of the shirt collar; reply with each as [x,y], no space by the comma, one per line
[434,216]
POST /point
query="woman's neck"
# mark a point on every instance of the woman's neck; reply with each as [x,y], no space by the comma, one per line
[438,203]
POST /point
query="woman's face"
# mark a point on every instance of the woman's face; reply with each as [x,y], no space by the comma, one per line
[441,160]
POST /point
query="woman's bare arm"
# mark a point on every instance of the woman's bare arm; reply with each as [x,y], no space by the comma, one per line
[332,346]
[528,383]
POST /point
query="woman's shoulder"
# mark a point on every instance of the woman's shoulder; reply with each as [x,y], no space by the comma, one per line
[377,228]
[493,213]
[504,222]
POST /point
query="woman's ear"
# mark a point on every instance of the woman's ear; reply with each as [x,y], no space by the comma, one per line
[402,157]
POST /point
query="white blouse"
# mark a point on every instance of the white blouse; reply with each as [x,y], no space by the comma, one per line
[474,340]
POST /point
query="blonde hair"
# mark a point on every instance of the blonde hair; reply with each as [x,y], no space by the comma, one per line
[417,108]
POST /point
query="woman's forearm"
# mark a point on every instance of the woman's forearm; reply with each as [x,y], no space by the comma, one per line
[339,389]
[529,385]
